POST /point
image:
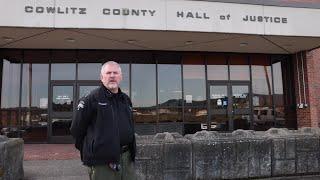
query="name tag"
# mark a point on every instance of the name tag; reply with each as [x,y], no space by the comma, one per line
[102,104]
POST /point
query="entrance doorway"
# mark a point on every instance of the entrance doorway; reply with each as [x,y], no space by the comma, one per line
[229,105]
[64,96]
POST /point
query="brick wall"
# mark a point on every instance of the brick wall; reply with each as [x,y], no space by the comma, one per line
[309,115]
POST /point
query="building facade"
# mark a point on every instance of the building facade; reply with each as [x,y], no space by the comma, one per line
[187,65]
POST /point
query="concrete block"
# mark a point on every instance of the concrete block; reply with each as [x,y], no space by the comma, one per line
[260,158]
[11,159]
[283,167]
[177,157]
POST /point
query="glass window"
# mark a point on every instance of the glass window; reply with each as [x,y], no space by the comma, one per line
[10,93]
[89,71]
[65,71]
[278,86]
[262,92]
[125,78]
[239,68]
[217,67]
[169,79]
[280,111]
[62,98]
[34,115]
[194,82]
[144,93]
[194,90]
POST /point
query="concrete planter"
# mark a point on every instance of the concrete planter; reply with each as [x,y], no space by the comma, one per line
[11,158]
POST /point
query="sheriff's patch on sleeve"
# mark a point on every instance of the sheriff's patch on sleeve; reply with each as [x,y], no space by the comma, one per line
[80,105]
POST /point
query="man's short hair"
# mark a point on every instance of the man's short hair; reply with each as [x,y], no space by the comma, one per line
[110,63]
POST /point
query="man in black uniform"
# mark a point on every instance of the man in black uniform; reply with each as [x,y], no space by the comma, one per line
[103,129]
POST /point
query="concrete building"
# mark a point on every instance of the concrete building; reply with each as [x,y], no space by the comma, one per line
[188,65]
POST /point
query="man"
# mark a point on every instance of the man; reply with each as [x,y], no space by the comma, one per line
[103,129]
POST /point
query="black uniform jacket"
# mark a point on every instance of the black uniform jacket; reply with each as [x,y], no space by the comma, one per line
[95,127]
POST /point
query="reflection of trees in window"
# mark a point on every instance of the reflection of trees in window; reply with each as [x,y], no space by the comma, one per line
[169,93]
[144,92]
[194,89]
[34,100]
[10,93]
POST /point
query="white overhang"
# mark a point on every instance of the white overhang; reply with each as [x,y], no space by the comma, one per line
[174,25]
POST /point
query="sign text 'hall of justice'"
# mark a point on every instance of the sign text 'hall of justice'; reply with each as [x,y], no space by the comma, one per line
[150,13]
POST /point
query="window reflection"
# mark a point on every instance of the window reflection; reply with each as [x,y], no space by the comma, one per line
[217,67]
[194,85]
[62,98]
[263,117]
[198,115]
[125,78]
[144,115]
[10,93]
[170,115]
[89,71]
[240,97]
[66,71]
[169,83]
[239,68]
[278,86]
[280,111]
[144,93]
[34,100]
[218,97]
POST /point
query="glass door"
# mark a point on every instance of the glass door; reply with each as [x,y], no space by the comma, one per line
[241,111]
[84,88]
[229,105]
[61,111]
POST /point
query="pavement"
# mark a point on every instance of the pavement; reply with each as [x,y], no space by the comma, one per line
[62,162]
[53,162]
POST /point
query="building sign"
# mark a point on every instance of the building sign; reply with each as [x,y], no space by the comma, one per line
[197,16]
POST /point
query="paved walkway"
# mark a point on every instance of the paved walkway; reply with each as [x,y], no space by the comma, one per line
[53,162]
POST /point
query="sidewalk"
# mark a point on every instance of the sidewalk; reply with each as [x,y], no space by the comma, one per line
[62,162]
[53,162]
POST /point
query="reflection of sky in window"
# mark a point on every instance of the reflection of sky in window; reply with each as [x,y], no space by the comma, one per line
[239,72]
[66,71]
[125,78]
[217,72]
[89,71]
[39,84]
[10,85]
[194,81]
[25,85]
[169,76]
[259,80]
[40,73]
[277,76]
[143,85]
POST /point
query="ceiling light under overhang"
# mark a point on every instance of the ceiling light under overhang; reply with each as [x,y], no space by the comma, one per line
[243,44]
[7,39]
[70,40]
[131,41]
[188,42]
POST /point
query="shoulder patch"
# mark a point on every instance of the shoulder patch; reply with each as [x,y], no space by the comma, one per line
[80,105]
